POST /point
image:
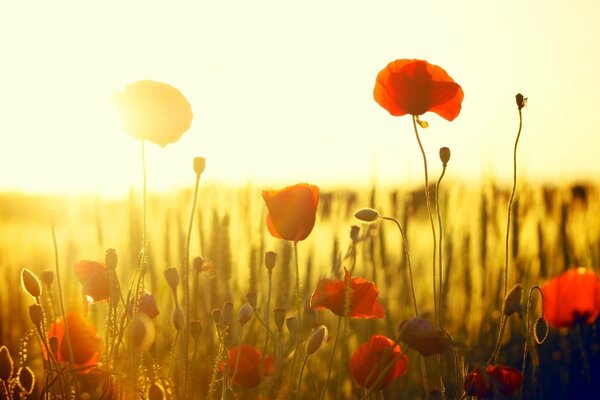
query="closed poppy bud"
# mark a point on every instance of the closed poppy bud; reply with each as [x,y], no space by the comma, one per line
[252,298]
[279,317]
[245,313]
[316,340]
[47,277]
[30,283]
[366,215]
[421,335]
[512,302]
[521,101]
[444,155]
[26,379]
[217,314]
[36,314]
[6,364]
[177,318]
[172,277]
[292,211]
[195,329]
[270,258]
[148,305]
[156,392]
[354,233]
[371,359]
[110,259]
[199,165]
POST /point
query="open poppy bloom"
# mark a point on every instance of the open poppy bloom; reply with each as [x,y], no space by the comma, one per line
[330,294]
[154,111]
[572,297]
[292,211]
[85,343]
[494,379]
[372,358]
[416,87]
[248,373]
[423,336]
[94,277]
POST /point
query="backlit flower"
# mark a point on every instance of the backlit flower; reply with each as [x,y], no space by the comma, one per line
[416,87]
[330,294]
[501,379]
[292,211]
[372,358]
[248,372]
[84,341]
[95,279]
[154,111]
[572,297]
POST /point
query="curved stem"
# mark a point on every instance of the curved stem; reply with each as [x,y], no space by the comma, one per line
[407,255]
[300,377]
[266,322]
[337,335]
[428,201]
[527,326]
[440,248]
[298,306]
[238,356]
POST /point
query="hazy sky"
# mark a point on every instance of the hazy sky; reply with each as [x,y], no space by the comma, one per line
[282,90]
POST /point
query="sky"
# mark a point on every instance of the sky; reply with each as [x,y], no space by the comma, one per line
[282,91]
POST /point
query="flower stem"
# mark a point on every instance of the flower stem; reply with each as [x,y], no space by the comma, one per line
[300,377]
[238,356]
[335,341]
[428,201]
[298,301]
[440,249]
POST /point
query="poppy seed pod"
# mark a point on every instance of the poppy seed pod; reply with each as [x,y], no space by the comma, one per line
[366,215]
[30,283]
[512,301]
[156,392]
[26,379]
[279,317]
[316,340]
[270,258]
[217,314]
[36,314]
[195,329]
[444,155]
[199,165]
[354,233]
[521,101]
[47,277]
[6,364]
[110,259]
[172,277]
[148,305]
[245,313]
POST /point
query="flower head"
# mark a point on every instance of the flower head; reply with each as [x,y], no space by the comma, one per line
[85,343]
[483,383]
[370,360]
[416,87]
[292,211]
[572,297]
[94,277]
[330,294]
[423,336]
[154,111]
[248,372]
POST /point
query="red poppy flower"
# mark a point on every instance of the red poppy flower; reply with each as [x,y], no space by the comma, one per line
[154,111]
[330,294]
[94,277]
[292,211]
[572,297]
[85,343]
[416,87]
[248,373]
[371,359]
[494,379]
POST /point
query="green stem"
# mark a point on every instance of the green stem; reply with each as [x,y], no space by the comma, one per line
[298,301]
[266,322]
[300,377]
[440,248]
[238,356]
[428,201]
[337,335]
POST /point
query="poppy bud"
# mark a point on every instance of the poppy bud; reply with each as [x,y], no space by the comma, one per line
[177,318]
[366,215]
[444,155]
[228,313]
[198,264]
[47,277]
[316,340]
[172,277]
[26,379]
[195,329]
[148,305]
[110,259]
[156,392]
[36,314]
[292,324]
[512,301]
[270,258]
[216,314]
[279,316]
[6,364]
[354,233]
[245,313]
[199,165]
[30,283]
[521,101]
[251,297]
[53,343]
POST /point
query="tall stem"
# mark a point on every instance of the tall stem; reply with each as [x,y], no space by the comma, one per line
[440,249]
[428,201]
[298,300]
[335,341]
[238,356]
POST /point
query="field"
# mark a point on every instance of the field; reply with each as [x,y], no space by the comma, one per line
[553,228]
